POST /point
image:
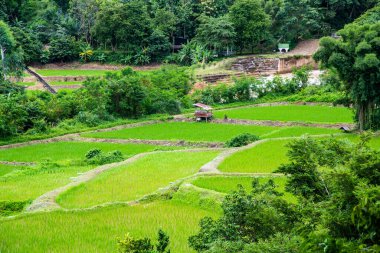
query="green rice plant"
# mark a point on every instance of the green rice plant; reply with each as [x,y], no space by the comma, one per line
[68,151]
[28,183]
[5,169]
[26,83]
[31,182]
[263,158]
[133,181]
[199,197]
[300,113]
[228,184]
[73,72]
[97,230]
[299,131]
[61,83]
[196,131]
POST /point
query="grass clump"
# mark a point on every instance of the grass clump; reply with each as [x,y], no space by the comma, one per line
[12,207]
[97,157]
[242,140]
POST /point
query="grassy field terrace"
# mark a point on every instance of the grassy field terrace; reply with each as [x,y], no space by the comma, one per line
[205,132]
[154,187]
[297,113]
[73,72]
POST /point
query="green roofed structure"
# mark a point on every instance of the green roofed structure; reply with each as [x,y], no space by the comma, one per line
[283,47]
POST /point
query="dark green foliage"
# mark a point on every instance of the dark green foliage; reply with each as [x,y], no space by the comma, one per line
[337,185]
[12,207]
[96,156]
[124,94]
[356,59]
[64,48]
[251,23]
[131,245]
[217,34]
[369,17]
[28,41]
[145,31]
[93,153]
[242,140]
[246,218]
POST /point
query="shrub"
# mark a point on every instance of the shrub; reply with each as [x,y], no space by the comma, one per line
[96,156]
[11,207]
[93,153]
[88,119]
[241,140]
[131,245]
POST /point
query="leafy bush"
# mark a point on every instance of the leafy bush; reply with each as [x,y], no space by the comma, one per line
[241,140]
[93,153]
[250,88]
[11,207]
[88,119]
[96,156]
[131,245]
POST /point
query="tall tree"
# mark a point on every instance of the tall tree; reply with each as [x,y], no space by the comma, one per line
[123,25]
[166,21]
[250,21]
[216,33]
[355,57]
[11,61]
[84,12]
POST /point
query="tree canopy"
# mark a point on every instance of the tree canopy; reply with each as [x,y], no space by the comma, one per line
[355,57]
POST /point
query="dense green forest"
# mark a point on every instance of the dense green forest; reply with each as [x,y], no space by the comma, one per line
[140,32]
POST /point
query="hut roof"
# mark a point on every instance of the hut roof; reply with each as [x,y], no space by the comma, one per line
[203,106]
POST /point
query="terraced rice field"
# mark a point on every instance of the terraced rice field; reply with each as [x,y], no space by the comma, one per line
[298,113]
[72,72]
[61,83]
[258,159]
[104,206]
[228,184]
[205,132]
[97,230]
[133,181]
[68,151]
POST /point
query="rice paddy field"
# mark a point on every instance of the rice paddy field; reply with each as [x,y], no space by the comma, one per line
[72,72]
[97,230]
[228,184]
[133,181]
[68,151]
[61,83]
[298,113]
[160,187]
[206,132]
[258,159]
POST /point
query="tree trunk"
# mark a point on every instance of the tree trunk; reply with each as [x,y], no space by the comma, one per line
[2,51]
[361,117]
